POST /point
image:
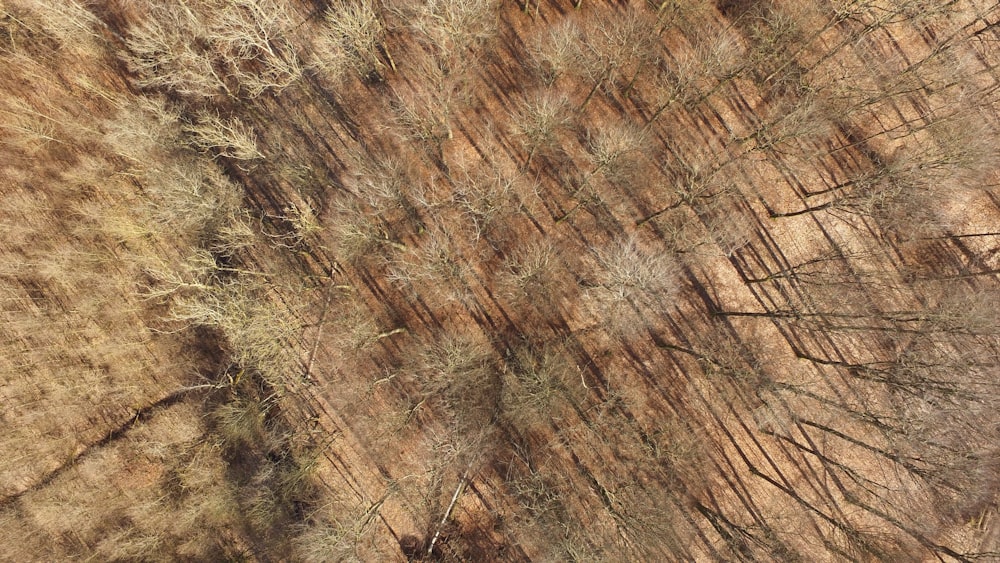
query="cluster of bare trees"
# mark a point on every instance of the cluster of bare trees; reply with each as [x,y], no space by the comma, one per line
[408,225]
[199,50]
[352,39]
[452,31]
[599,53]
[654,281]
[897,174]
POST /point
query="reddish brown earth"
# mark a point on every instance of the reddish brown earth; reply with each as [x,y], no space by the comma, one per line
[740,305]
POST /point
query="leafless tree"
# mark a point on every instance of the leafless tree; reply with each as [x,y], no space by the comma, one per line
[179,49]
[250,34]
[629,272]
[426,109]
[357,232]
[228,138]
[612,45]
[786,124]
[692,76]
[598,51]
[485,195]
[611,148]
[531,270]
[352,38]
[612,151]
[452,29]
[937,161]
[257,334]
[436,262]
[695,185]
[558,51]
[538,121]
[163,53]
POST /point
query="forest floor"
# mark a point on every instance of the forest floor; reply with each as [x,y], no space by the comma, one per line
[610,281]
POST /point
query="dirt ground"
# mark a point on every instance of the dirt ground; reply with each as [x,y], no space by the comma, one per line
[737,303]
